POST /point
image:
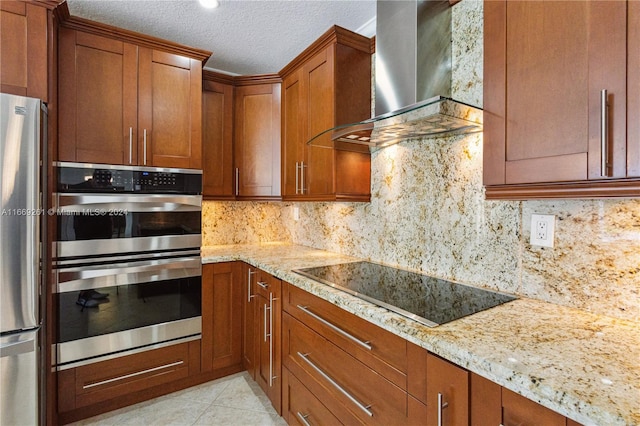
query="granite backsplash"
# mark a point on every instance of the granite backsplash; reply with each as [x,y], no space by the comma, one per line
[428,213]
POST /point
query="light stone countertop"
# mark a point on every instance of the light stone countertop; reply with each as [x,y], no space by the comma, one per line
[581,365]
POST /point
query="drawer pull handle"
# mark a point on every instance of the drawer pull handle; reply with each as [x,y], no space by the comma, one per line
[365,345]
[360,405]
[263,284]
[441,406]
[137,373]
[303,418]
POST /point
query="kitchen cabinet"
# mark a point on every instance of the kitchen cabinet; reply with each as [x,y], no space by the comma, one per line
[249,312]
[447,392]
[101,386]
[127,99]
[268,337]
[349,366]
[24,28]
[492,404]
[257,137]
[300,406]
[546,67]
[328,84]
[217,136]
[221,316]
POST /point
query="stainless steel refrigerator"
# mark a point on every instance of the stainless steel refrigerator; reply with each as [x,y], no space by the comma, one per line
[22,121]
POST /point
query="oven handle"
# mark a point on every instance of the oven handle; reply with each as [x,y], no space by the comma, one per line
[111,275]
[81,203]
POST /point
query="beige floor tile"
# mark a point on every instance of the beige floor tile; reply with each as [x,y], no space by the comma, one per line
[227,416]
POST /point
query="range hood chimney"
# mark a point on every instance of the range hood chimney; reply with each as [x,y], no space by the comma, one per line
[413,79]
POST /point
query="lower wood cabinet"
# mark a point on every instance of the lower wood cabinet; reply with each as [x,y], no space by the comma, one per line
[300,406]
[491,404]
[268,334]
[94,388]
[221,316]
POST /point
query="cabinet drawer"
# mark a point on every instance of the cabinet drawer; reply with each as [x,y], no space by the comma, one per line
[337,378]
[300,406]
[384,352]
[101,381]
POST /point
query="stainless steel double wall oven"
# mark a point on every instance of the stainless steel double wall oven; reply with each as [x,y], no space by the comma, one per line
[126,260]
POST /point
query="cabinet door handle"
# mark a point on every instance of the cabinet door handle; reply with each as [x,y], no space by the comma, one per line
[249,295]
[303,418]
[130,145]
[265,322]
[144,147]
[271,376]
[263,284]
[604,134]
[137,373]
[441,406]
[297,179]
[237,181]
[337,329]
[302,166]
[360,405]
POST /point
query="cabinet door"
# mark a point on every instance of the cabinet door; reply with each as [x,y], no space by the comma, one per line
[269,335]
[518,410]
[23,49]
[546,64]
[318,79]
[448,385]
[170,110]
[257,140]
[217,140]
[97,99]
[293,143]
[221,316]
[249,312]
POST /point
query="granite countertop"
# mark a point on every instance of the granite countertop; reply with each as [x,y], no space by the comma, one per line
[581,365]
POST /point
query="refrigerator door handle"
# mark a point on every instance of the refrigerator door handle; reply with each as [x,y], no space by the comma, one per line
[17,348]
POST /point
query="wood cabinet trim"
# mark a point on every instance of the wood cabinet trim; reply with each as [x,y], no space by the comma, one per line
[86,25]
[633,89]
[335,34]
[589,189]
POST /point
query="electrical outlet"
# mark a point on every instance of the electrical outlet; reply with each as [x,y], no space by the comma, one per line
[296,213]
[542,230]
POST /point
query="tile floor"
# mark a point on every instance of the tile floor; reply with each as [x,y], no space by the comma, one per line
[229,401]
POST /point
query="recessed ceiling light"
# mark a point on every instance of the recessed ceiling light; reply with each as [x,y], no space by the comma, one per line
[209,4]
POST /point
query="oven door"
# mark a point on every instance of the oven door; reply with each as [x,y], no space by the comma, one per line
[107,308]
[96,224]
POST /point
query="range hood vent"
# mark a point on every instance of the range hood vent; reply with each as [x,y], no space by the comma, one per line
[413,81]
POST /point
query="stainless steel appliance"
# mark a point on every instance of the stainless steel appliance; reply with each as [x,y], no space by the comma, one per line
[430,301]
[126,261]
[22,121]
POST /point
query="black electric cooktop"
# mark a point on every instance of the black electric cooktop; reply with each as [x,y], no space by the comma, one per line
[430,301]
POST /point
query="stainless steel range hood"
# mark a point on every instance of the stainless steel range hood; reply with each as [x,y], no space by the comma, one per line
[413,80]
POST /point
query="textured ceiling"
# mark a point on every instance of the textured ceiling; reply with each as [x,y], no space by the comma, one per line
[245,36]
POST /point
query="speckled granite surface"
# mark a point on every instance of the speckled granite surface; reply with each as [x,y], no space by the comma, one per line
[584,366]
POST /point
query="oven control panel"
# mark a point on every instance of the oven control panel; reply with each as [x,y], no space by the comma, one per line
[110,179]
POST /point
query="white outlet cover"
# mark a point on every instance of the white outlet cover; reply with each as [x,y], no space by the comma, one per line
[296,213]
[546,222]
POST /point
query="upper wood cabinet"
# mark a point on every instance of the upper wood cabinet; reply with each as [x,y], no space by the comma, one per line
[127,99]
[24,53]
[241,137]
[257,137]
[326,85]
[546,67]
[217,136]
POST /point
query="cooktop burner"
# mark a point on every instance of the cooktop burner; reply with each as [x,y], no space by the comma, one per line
[431,301]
